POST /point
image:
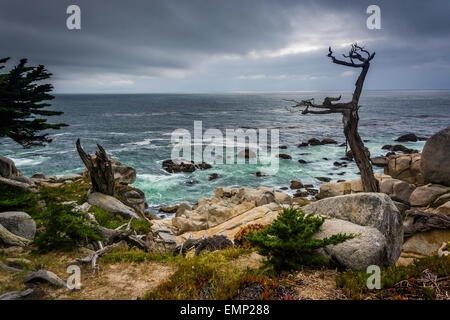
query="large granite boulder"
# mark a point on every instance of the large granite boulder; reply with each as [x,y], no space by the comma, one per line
[111,204]
[8,168]
[18,223]
[374,210]
[366,248]
[405,167]
[435,164]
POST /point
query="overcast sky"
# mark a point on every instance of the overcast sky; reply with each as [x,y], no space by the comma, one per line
[227,45]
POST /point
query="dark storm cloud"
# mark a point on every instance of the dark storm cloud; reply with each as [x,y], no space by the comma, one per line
[167,45]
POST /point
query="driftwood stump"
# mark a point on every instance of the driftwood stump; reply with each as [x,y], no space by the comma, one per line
[99,168]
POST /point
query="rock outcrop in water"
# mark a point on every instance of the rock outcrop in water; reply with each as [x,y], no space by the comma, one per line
[176,166]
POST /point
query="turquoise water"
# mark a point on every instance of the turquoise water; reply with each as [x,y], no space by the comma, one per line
[136,129]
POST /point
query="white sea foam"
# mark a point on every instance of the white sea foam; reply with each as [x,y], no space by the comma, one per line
[26,162]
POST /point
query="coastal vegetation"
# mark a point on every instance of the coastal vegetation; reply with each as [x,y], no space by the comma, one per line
[288,242]
[22,100]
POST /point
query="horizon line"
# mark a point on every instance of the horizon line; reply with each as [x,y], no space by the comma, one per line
[243,91]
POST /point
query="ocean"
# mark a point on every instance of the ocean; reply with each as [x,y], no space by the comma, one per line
[136,129]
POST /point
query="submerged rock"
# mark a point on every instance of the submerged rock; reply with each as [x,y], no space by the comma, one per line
[329,141]
[409,137]
[314,142]
[284,156]
[247,154]
[296,184]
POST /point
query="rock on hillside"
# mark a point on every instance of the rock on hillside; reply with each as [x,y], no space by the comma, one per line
[435,164]
[373,210]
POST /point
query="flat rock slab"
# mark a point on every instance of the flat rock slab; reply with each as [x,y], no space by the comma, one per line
[18,185]
[44,276]
[111,204]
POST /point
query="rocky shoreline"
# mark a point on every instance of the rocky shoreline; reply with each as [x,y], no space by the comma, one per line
[408,219]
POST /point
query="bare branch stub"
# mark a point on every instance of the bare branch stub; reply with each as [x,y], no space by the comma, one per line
[349,111]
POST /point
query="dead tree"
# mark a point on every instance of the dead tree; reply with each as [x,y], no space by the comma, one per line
[99,168]
[358,57]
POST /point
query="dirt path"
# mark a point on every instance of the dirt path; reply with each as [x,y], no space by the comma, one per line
[118,281]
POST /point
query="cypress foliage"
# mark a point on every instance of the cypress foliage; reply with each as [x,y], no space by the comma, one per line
[22,100]
[288,244]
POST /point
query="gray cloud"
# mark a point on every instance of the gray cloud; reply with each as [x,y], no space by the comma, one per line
[212,45]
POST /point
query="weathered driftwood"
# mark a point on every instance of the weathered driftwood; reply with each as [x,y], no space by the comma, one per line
[16,295]
[44,276]
[99,168]
[111,235]
[11,239]
[358,57]
[425,221]
[8,268]
[92,258]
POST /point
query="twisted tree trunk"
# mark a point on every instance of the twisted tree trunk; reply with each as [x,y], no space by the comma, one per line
[349,113]
[99,168]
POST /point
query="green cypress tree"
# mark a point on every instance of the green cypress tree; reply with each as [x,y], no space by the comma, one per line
[288,242]
[22,100]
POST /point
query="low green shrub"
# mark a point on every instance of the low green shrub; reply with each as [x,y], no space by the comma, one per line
[141,226]
[288,244]
[133,256]
[64,229]
[107,219]
[17,200]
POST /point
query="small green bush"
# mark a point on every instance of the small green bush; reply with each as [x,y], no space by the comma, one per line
[107,219]
[17,200]
[287,242]
[64,229]
[141,226]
